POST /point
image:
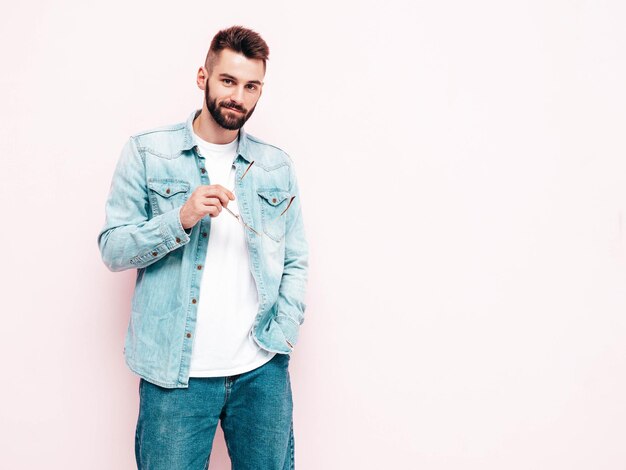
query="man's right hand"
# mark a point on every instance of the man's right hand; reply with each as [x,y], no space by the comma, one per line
[205,200]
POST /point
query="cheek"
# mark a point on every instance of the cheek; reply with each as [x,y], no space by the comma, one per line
[251,102]
[218,93]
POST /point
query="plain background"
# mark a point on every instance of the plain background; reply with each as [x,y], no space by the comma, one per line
[464,187]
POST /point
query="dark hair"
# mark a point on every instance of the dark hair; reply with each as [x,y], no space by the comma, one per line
[239,39]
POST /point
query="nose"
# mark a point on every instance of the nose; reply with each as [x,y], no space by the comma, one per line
[237,96]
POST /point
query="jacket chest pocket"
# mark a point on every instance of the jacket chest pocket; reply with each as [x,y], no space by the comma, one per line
[274,203]
[167,194]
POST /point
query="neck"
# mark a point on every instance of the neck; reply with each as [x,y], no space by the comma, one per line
[206,127]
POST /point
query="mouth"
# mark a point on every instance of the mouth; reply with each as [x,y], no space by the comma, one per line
[233,109]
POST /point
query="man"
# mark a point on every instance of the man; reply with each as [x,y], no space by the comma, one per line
[211,218]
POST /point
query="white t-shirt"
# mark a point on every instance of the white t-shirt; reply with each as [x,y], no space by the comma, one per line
[228,299]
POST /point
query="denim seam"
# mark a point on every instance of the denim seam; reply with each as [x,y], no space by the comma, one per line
[289,317]
[166,156]
[269,168]
[292,447]
[141,258]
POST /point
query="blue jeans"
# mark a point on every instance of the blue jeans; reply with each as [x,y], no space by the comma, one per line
[175,427]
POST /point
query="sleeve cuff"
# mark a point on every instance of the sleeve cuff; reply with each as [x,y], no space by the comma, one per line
[173,232]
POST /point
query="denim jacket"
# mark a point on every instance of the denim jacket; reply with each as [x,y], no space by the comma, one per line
[154,176]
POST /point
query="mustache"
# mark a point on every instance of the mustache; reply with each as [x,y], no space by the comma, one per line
[233,106]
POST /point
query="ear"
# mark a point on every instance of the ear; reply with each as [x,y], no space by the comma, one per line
[202,77]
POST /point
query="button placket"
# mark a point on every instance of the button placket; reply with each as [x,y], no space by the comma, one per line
[195,282]
[251,241]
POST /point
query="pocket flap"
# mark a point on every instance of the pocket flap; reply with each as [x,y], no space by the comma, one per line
[273,196]
[168,188]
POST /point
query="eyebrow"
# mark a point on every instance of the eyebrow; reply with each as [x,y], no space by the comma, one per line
[233,78]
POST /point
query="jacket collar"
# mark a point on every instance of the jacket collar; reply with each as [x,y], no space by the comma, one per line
[188,141]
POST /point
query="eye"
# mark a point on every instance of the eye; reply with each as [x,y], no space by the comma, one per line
[252,87]
[227,80]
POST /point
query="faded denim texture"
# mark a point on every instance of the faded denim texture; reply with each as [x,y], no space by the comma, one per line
[156,173]
[176,427]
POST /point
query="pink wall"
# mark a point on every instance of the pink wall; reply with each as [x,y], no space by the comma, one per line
[464,187]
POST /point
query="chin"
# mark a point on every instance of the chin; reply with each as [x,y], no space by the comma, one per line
[233,125]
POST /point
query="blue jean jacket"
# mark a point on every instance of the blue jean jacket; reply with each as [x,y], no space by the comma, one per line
[154,176]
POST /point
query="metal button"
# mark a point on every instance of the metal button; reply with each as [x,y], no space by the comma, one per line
[154,253]
[199,266]
[203,170]
[274,200]
[193,301]
[188,335]
[177,240]
[167,190]
[204,234]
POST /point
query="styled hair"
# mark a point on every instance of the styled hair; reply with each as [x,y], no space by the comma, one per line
[239,39]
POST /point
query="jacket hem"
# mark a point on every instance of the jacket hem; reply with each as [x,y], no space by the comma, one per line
[150,379]
[269,349]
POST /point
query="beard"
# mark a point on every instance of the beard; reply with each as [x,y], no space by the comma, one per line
[231,120]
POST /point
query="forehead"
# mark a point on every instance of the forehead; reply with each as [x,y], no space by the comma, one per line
[238,65]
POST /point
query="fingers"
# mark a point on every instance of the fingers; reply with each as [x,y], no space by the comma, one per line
[214,211]
[212,201]
[220,192]
[209,200]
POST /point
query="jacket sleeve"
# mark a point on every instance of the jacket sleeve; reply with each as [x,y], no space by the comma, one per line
[129,238]
[292,290]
